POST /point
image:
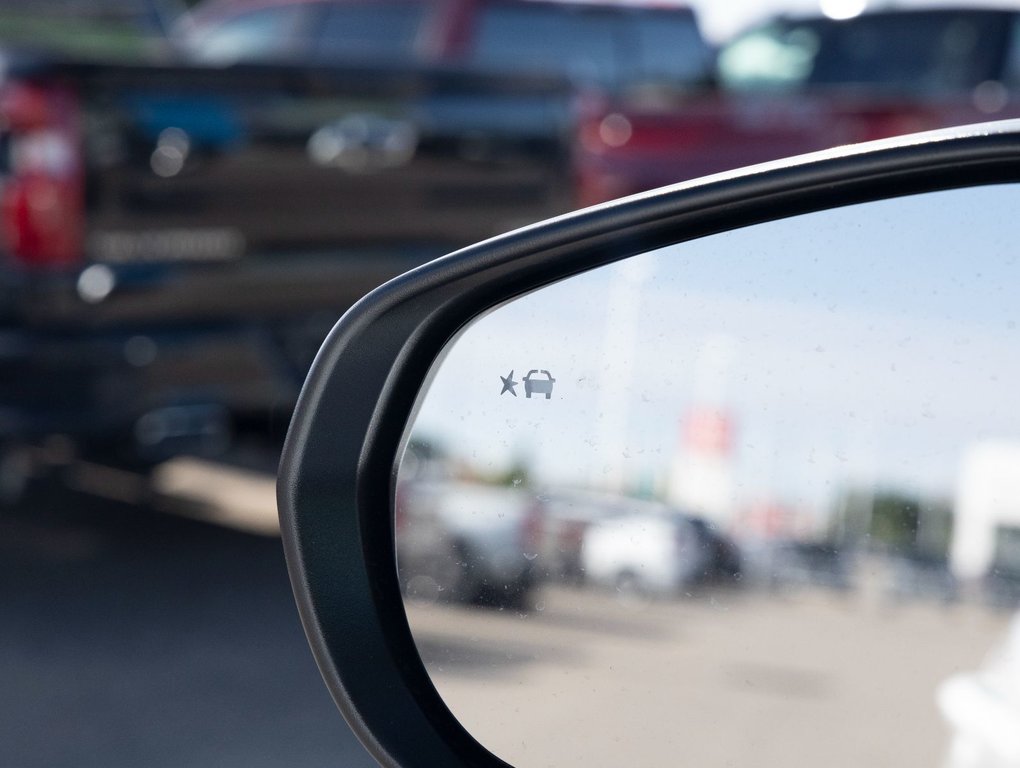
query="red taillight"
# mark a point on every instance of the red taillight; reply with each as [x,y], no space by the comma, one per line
[42,193]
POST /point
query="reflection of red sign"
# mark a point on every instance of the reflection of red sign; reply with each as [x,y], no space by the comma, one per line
[708,432]
[768,519]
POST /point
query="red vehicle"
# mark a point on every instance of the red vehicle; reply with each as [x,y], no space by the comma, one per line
[800,84]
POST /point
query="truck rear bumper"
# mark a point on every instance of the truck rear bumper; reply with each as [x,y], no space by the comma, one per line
[149,395]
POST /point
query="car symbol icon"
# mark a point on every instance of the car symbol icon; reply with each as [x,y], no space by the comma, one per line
[538,386]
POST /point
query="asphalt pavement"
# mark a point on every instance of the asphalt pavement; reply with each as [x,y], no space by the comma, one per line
[130,637]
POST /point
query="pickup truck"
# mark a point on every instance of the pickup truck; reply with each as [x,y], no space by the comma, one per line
[606,44]
[176,240]
[797,84]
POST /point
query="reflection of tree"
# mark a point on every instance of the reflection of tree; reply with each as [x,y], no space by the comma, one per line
[894,520]
[936,530]
[424,458]
[518,474]
[427,458]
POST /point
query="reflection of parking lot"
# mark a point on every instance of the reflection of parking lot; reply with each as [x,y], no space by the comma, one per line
[172,627]
[726,680]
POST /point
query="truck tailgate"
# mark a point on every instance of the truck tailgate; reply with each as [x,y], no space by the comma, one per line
[266,189]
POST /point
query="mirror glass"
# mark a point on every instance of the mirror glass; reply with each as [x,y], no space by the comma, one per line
[752,499]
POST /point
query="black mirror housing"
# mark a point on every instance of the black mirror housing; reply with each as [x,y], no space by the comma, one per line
[337,476]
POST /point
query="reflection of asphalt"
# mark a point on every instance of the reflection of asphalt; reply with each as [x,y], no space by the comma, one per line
[129,638]
[778,680]
[727,678]
[601,623]
[450,656]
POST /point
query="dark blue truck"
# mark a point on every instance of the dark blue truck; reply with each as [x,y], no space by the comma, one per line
[176,240]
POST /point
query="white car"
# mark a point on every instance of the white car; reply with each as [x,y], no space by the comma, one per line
[647,552]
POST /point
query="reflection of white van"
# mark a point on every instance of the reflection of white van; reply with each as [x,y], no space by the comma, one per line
[987,510]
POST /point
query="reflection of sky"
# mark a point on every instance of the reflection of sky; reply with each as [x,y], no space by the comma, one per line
[871,343]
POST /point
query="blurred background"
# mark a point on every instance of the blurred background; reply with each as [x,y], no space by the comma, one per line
[191,195]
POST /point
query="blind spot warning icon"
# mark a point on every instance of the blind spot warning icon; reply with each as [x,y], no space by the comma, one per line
[537,385]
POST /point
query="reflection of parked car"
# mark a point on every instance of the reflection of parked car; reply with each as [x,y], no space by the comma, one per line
[789,564]
[919,576]
[468,543]
[726,562]
[1000,587]
[568,515]
[657,552]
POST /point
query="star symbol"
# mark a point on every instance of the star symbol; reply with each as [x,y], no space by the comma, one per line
[509,384]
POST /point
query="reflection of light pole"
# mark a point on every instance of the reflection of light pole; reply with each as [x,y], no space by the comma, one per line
[619,356]
[701,477]
[862,453]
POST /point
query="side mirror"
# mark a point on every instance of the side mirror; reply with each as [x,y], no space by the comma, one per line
[692,476]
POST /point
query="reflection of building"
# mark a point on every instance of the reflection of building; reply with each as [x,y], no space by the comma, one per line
[701,479]
[986,531]
[701,476]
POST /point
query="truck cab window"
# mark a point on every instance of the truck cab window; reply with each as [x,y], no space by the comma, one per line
[1011,63]
[774,57]
[933,53]
[547,39]
[378,31]
[670,48]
